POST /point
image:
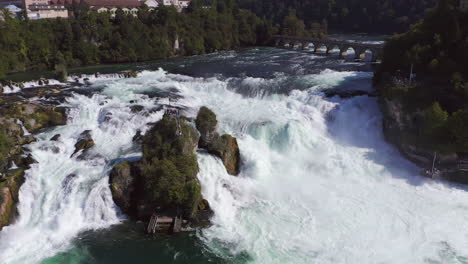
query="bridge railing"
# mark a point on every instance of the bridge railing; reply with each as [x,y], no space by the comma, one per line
[329,41]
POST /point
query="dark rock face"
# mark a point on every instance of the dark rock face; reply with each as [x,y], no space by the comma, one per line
[225,147]
[345,94]
[137,108]
[138,137]
[9,189]
[85,142]
[122,185]
[55,137]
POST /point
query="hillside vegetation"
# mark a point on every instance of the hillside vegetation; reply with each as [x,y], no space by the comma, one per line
[89,37]
[437,97]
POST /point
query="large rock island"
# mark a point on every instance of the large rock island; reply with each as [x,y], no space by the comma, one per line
[164,182]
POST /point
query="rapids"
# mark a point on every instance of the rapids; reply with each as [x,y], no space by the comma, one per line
[318,184]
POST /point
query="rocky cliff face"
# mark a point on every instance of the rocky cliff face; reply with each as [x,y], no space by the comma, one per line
[9,189]
[17,116]
[402,127]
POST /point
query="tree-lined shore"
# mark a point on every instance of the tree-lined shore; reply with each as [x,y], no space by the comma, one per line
[89,38]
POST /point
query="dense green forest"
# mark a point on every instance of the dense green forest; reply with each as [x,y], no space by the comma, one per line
[437,47]
[92,38]
[367,16]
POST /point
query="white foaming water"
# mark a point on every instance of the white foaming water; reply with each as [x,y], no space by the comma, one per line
[63,196]
[318,183]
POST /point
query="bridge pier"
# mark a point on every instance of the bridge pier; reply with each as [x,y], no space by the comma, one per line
[343,52]
[359,54]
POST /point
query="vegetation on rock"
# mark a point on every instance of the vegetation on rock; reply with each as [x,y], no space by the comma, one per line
[165,179]
[169,165]
[206,124]
[35,116]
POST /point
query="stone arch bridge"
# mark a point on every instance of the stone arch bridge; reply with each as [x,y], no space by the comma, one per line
[343,46]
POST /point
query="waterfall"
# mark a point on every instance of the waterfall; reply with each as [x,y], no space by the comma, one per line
[319,184]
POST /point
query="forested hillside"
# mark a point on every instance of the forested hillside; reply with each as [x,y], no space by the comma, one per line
[436,99]
[92,38]
[367,16]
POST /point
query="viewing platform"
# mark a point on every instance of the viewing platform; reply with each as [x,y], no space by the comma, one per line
[164,224]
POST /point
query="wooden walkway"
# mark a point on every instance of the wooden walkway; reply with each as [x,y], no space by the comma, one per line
[161,224]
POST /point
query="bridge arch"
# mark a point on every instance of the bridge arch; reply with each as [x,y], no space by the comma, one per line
[320,46]
[369,55]
[344,51]
[362,51]
[307,45]
[333,49]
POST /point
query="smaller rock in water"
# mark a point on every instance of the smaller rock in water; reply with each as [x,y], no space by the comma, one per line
[85,142]
[136,108]
[138,137]
[56,137]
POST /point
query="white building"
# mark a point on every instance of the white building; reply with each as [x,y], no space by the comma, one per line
[179,4]
[151,3]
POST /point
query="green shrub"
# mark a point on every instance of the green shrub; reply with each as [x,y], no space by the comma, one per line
[170,167]
[206,120]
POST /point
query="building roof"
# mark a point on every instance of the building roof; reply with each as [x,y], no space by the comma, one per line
[13,8]
[11,2]
[109,3]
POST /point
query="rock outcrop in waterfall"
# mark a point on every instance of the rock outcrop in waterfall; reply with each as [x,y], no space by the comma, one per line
[165,180]
[225,147]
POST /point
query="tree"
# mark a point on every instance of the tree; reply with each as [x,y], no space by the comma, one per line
[458,124]
[292,26]
[435,122]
